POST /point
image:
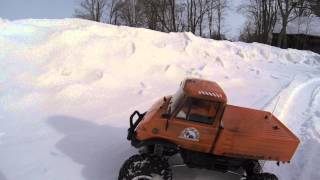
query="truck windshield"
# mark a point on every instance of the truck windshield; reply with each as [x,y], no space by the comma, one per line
[175,100]
[198,110]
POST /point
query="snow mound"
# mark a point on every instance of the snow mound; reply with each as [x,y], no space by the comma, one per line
[67,88]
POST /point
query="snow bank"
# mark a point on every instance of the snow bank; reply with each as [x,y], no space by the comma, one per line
[67,88]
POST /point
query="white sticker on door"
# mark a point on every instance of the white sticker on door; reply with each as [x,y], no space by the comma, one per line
[190,133]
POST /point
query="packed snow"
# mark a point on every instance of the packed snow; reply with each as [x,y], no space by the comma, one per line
[67,88]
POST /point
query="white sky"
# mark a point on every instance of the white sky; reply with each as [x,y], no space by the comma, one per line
[39,9]
[234,20]
[56,9]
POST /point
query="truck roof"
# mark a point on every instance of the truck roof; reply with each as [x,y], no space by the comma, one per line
[204,89]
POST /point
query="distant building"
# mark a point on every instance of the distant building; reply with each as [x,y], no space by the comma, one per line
[302,33]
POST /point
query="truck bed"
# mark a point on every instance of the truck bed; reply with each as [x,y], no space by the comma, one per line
[254,134]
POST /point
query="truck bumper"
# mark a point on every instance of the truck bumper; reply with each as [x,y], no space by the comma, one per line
[132,135]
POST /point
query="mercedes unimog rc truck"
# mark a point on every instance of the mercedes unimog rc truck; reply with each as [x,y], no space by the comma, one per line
[197,123]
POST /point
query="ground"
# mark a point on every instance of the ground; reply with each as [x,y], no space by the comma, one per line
[67,88]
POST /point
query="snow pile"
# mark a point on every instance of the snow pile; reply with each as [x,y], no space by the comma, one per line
[67,88]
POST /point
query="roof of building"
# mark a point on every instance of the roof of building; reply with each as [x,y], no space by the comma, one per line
[302,25]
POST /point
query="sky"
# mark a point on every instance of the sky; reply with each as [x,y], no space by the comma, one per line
[38,9]
[57,9]
[234,20]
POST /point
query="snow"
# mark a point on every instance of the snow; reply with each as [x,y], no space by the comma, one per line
[67,88]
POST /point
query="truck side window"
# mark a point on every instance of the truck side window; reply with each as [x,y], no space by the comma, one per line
[199,110]
[176,99]
[182,114]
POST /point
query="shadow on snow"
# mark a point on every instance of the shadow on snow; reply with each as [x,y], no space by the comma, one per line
[101,149]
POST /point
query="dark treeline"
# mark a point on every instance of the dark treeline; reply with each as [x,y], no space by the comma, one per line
[263,15]
[204,18]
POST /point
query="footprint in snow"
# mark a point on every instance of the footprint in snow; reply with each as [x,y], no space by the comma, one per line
[143,87]
[166,68]
[202,67]
[262,52]
[129,49]
[99,74]
[140,92]
[66,72]
[133,48]
[219,62]
[94,76]
[239,53]
[274,77]
[289,58]
[206,54]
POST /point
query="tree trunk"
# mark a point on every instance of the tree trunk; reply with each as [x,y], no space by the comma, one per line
[282,37]
[219,20]
[173,15]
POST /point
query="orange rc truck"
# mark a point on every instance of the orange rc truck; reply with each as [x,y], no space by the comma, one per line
[198,124]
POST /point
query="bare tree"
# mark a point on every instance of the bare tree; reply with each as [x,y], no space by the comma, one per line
[128,12]
[210,11]
[269,10]
[315,6]
[262,15]
[180,17]
[221,6]
[167,14]
[161,12]
[113,11]
[91,10]
[170,15]
[172,4]
[194,14]
[197,10]
[151,14]
[210,17]
[286,7]
[248,34]
[164,15]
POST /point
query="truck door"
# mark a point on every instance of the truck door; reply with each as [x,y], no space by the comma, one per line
[194,124]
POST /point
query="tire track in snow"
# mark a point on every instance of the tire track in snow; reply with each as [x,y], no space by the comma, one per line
[299,112]
[308,154]
[303,94]
[277,94]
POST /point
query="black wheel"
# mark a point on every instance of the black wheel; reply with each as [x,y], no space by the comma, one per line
[145,167]
[252,167]
[263,176]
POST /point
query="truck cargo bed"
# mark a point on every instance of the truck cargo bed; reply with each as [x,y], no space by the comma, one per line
[254,134]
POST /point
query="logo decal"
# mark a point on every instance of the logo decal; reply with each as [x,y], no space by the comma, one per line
[190,133]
